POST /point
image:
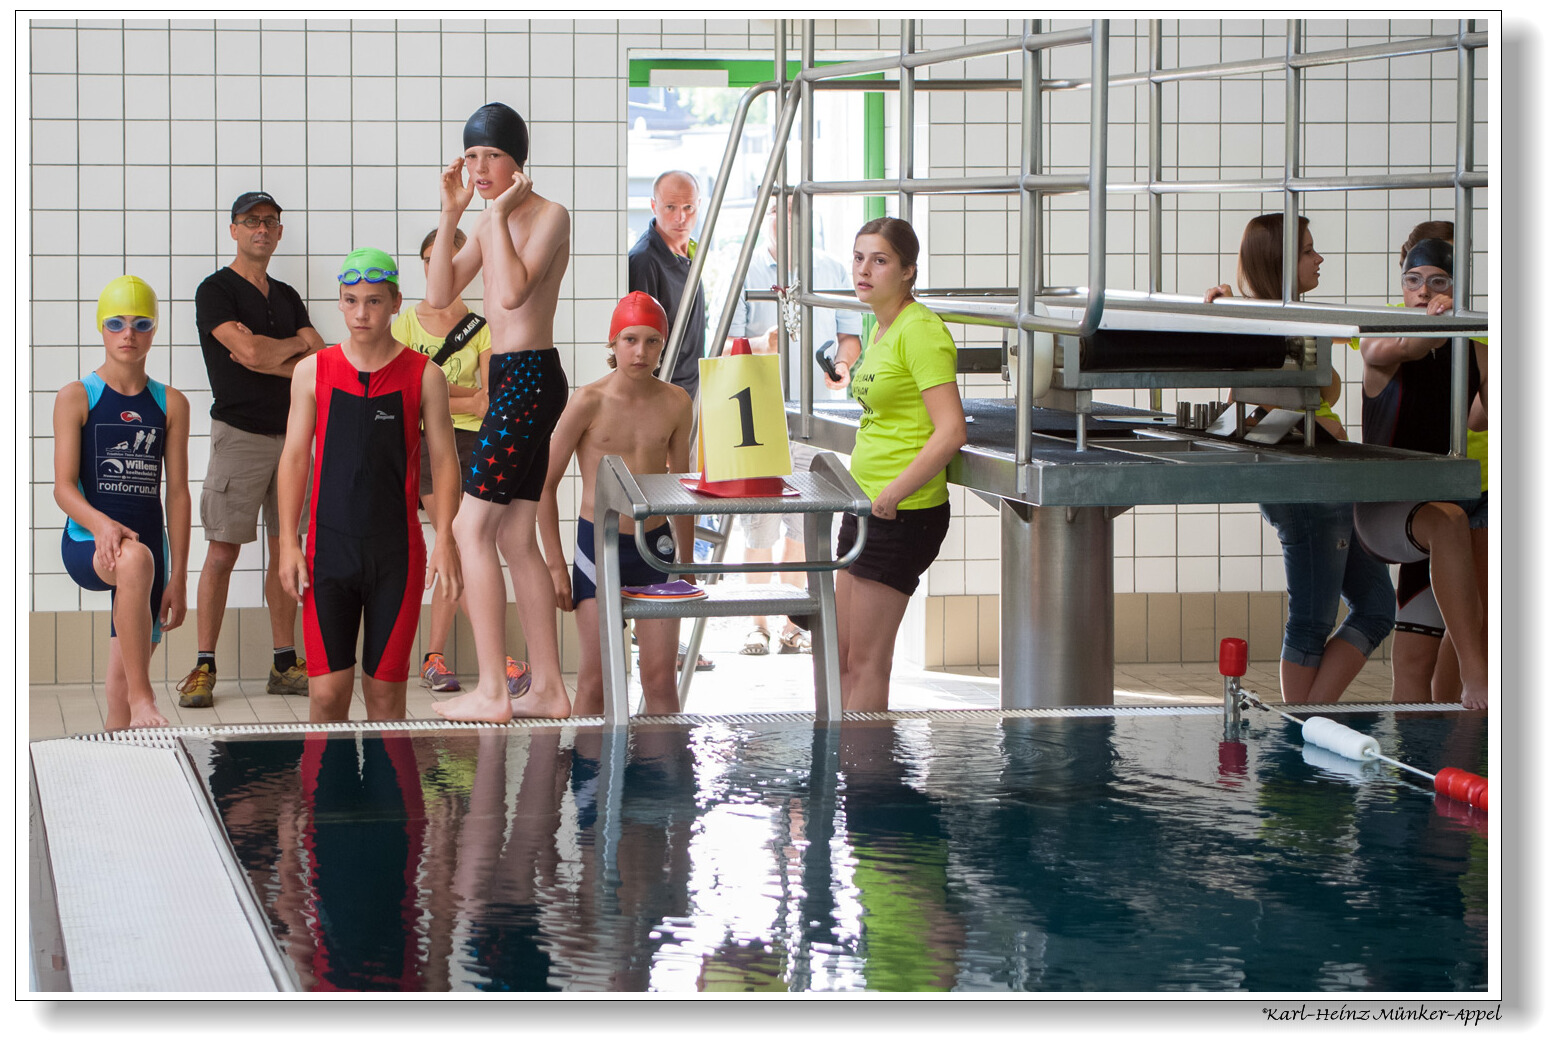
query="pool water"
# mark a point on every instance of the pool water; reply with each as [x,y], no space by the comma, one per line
[968,852]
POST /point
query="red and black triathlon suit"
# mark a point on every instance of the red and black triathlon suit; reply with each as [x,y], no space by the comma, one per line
[526,394]
[365,548]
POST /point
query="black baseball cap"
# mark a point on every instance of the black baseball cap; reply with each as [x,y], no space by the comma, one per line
[249,200]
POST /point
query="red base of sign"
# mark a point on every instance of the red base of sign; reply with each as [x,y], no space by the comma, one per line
[747,487]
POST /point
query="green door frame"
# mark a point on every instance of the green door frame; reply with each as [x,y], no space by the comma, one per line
[743,73]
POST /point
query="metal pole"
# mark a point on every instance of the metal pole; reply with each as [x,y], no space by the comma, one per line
[766,186]
[804,220]
[782,217]
[1098,136]
[1028,251]
[1462,275]
[685,305]
[1291,162]
[1058,606]
[1156,172]
[1291,270]
[906,117]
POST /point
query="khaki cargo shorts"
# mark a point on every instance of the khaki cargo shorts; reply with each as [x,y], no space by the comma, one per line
[240,480]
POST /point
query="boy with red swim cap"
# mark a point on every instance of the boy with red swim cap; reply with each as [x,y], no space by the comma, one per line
[521,244]
[631,413]
[356,408]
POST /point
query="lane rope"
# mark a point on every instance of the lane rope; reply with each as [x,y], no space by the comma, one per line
[1469,788]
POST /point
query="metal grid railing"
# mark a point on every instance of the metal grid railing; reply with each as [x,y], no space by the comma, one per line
[1032,184]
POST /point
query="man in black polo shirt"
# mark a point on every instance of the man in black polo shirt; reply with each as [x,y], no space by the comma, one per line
[253,330]
[659,263]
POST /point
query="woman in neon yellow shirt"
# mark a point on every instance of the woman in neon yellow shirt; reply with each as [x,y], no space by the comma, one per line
[912,425]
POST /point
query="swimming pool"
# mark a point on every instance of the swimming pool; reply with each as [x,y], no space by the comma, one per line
[961,851]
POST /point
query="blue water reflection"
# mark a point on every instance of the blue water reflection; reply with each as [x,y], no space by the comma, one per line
[1124,853]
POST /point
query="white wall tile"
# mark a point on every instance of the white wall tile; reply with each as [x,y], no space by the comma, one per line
[1240,574]
[1155,574]
[53,50]
[342,179]
[192,142]
[54,97]
[55,592]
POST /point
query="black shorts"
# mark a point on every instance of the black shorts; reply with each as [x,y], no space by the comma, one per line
[897,551]
[374,583]
[527,392]
[465,441]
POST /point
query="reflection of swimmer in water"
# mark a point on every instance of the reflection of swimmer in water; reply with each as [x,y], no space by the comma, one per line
[363,845]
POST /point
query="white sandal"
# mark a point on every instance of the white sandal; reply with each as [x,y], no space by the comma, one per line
[757,643]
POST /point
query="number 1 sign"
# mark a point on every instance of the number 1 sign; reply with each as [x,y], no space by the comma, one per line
[742,430]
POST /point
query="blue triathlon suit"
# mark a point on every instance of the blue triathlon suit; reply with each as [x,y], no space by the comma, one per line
[120,474]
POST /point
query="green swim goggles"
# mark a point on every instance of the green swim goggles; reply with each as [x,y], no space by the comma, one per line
[352,275]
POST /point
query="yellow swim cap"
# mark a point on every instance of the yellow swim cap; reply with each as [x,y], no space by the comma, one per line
[127,294]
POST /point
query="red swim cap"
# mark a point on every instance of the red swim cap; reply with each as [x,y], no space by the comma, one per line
[638,308]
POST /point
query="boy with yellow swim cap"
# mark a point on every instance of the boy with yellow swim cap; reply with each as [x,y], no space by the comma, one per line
[118,435]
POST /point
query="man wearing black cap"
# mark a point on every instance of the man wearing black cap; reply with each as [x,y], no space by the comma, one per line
[521,244]
[660,262]
[253,330]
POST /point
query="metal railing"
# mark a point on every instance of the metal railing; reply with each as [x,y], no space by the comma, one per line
[1032,184]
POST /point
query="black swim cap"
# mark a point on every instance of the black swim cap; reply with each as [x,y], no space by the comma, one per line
[496,125]
[1431,252]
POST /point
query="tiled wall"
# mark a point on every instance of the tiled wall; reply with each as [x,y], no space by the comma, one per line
[142,132]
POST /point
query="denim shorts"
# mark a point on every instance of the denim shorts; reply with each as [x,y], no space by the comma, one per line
[1323,561]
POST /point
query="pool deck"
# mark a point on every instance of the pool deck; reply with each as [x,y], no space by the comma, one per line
[737,684]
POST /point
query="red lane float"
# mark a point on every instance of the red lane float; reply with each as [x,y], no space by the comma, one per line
[1464,786]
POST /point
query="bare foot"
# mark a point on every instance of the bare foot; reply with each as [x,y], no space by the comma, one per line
[146,716]
[476,706]
[1475,698]
[540,704]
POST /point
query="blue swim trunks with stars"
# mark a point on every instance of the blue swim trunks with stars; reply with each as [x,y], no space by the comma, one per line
[526,394]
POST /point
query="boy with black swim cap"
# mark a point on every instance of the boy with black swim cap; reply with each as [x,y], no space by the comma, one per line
[117,435]
[356,407]
[521,243]
[630,413]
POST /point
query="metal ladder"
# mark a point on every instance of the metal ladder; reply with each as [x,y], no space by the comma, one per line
[826,490]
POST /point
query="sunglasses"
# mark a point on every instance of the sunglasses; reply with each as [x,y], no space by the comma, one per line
[372,274]
[269,223]
[118,324]
[1438,283]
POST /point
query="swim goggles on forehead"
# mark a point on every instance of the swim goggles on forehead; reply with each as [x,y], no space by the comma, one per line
[119,324]
[352,276]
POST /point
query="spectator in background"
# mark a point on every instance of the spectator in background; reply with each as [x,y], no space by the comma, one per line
[660,262]
[253,330]
[1322,558]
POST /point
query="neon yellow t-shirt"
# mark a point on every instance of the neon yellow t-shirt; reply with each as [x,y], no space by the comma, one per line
[913,354]
[462,368]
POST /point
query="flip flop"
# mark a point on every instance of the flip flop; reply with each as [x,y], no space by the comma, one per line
[704,664]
